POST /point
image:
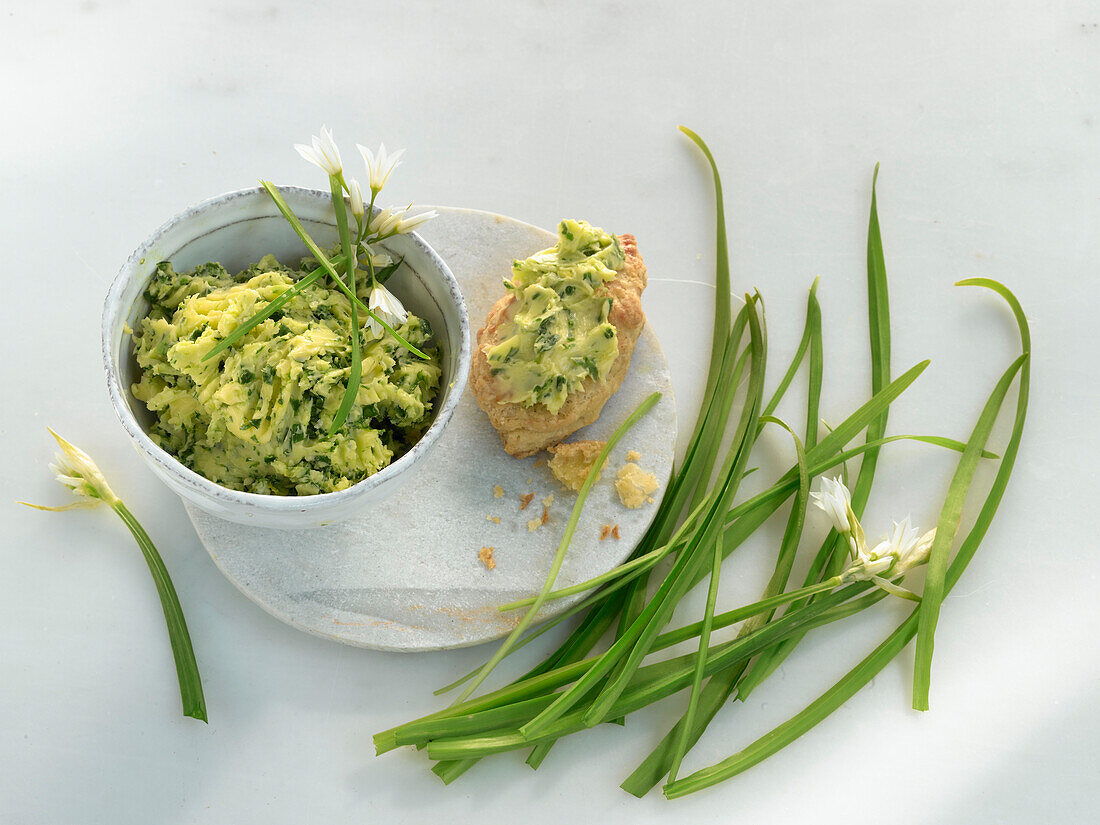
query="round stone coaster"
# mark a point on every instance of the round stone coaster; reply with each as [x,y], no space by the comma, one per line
[406,575]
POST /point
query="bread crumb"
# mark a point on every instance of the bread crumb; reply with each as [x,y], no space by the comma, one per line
[633,455]
[528,481]
[525,500]
[534,524]
[493,519]
[633,484]
[570,463]
[615,532]
[649,500]
[546,502]
[605,531]
[539,462]
[485,556]
[545,514]
[498,491]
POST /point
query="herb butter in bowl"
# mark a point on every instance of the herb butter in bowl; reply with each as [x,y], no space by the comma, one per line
[263,430]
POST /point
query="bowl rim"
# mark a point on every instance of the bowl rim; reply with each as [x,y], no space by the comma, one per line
[197,483]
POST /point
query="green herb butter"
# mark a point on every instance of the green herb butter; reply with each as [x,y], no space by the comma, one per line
[556,333]
[256,418]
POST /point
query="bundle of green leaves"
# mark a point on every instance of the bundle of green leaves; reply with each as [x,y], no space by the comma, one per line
[698,524]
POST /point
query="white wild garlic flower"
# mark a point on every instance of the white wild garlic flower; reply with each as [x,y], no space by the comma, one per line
[385,303]
[380,166]
[906,545]
[390,221]
[75,469]
[406,225]
[836,501]
[892,557]
[388,307]
[356,196]
[384,222]
[323,153]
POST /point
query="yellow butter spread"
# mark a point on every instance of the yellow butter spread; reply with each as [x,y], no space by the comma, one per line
[556,333]
[257,416]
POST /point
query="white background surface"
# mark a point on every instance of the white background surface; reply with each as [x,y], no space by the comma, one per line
[984,116]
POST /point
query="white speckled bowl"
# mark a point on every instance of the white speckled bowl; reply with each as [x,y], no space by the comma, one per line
[237,229]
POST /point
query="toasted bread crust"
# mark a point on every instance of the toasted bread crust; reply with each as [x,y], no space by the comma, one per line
[526,430]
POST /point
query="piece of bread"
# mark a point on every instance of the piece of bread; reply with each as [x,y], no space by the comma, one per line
[526,430]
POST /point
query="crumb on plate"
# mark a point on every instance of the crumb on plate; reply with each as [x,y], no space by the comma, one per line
[633,484]
[498,491]
[525,500]
[570,463]
[633,455]
[485,556]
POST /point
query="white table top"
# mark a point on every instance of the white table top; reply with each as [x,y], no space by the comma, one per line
[984,116]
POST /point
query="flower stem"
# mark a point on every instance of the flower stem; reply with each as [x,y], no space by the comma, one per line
[194,704]
[355,371]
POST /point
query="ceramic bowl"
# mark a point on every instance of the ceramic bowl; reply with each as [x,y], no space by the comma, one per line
[237,229]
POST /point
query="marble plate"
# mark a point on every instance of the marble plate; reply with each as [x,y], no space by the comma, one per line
[406,576]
